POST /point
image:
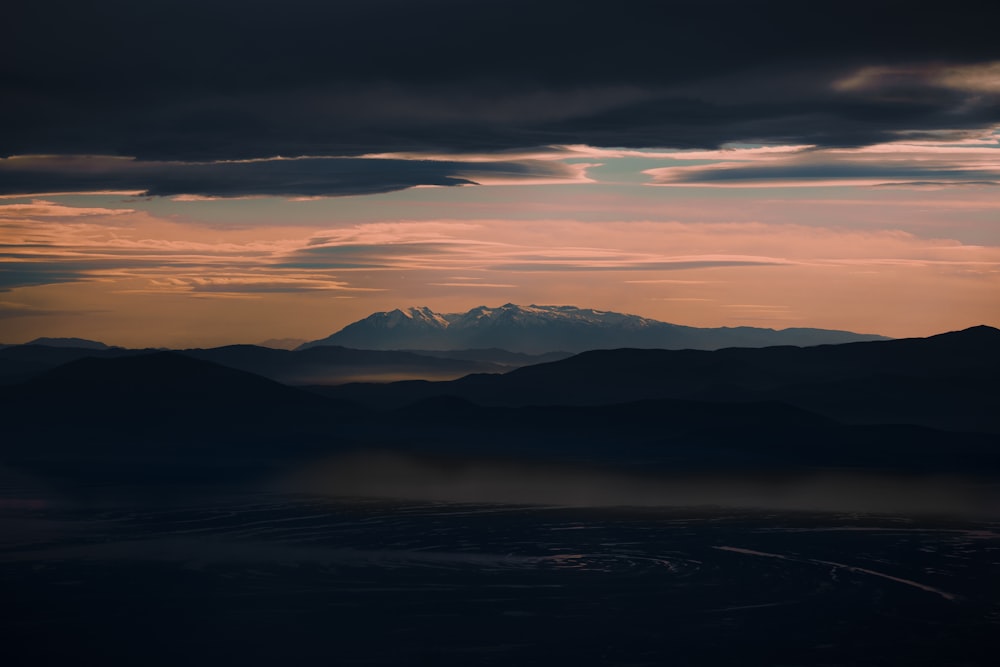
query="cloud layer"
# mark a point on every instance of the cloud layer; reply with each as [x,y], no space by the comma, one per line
[199,81]
[972,162]
[304,176]
[137,268]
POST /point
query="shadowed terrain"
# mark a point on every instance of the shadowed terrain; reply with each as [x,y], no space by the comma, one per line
[909,405]
[316,365]
[617,507]
[947,381]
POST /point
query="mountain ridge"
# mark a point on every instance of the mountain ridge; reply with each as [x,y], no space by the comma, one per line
[318,365]
[925,405]
[945,381]
[536,329]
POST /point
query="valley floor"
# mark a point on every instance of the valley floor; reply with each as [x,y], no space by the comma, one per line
[267,579]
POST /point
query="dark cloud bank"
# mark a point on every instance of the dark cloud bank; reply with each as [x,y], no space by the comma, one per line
[216,80]
[296,177]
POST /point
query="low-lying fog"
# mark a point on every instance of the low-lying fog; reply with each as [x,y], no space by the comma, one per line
[405,477]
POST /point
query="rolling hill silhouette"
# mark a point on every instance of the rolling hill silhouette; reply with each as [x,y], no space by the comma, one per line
[944,381]
[909,405]
[318,365]
[164,409]
[682,435]
[23,362]
[335,365]
[69,342]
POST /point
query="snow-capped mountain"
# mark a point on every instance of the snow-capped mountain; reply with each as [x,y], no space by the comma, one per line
[539,329]
[530,316]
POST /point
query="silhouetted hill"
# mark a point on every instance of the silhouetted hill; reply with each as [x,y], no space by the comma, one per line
[69,342]
[136,379]
[22,362]
[282,343]
[320,365]
[681,435]
[948,381]
[164,408]
[893,405]
[541,329]
[336,365]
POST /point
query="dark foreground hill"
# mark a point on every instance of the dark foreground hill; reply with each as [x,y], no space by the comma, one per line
[317,365]
[926,405]
[336,365]
[162,409]
[949,381]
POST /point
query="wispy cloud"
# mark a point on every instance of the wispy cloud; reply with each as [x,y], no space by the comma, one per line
[978,78]
[896,163]
[15,310]
[486,285]
[57,250]
[40,208]
[677,271]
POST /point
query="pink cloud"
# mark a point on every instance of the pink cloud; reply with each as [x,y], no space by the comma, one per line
[895,163]
[982,78]
[140,270]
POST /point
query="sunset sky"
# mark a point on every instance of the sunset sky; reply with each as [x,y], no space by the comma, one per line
[202,173]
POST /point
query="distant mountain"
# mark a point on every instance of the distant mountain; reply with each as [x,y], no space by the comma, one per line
[22,362]
[81,343]
[282,343]
[541,329]
[319,365]
[495,355]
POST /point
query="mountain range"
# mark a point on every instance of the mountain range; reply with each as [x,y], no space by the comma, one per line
[927,404]
[948,381]
[319,365]
[540,329]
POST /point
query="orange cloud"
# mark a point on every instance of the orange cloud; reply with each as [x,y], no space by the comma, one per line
[894,163]
[983,78]
[131,270]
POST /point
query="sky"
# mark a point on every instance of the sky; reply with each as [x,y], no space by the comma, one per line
[202,173]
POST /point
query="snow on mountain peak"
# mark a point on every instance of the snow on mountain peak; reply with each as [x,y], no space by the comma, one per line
[419,316]
[537,328]
[508,313]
